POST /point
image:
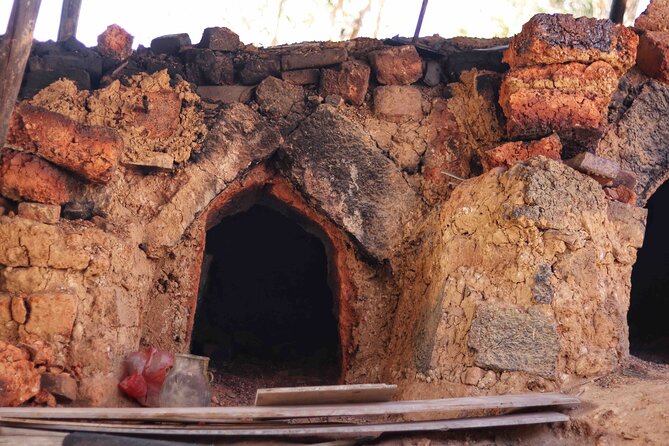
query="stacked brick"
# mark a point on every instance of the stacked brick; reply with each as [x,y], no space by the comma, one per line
[653,52]
[563,74]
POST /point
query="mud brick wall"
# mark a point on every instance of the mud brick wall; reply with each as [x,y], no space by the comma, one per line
[479,200]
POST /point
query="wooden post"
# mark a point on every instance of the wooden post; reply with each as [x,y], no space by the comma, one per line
[14,51]
[69,18]
[617,13]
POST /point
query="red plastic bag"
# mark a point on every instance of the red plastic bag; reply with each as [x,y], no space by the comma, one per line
[145,374]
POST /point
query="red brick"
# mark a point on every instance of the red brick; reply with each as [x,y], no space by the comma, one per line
[315,58]
[559,38]
[51,314]
[570,99]
[302,77]
[115,42]
[399,65]
[219,39]
[350,81]
[45,213]
[653,54]
[655,17]
[512,152]
[26,177]
[19,379]
[90,151]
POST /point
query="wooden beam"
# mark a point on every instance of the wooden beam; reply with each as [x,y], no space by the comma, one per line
[197,414]
[617,13]
[351,393]
[329,431]
[69,19]
[14,51]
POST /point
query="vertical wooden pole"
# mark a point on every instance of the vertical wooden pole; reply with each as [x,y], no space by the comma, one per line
[617,13]
[69,18]
[416,34]
[14,51]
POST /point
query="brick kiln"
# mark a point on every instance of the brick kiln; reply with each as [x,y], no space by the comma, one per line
[455,251]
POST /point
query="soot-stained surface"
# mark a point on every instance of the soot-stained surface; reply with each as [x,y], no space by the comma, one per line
[265,309]
[649,302]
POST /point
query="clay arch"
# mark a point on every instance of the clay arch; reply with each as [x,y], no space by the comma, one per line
[263,183]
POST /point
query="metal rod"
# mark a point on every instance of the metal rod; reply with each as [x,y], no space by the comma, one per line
[452,175]
[617,13]
[14,51]
[420,21]
[69,19]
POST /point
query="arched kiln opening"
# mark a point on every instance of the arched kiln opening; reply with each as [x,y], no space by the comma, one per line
[267,307]
[649,299]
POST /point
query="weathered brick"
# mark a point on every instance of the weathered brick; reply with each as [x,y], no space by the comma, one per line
[653,54]
[621,193]
[170,44]
[206,67]
[45,213]
[570,99]
[258,68]
[51,314]
[510,153]
[26,177]
[398,102]
[115,43]
[278,98]
[152,161]
[602,169]
[313,58]
[226,94]
[302,77]
[19,379]
[559,38]
[61,385]
[655,17]
[89,151]
[350,81]
[400,65]
[219,39]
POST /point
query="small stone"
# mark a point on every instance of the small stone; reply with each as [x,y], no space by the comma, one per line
[45,213]
[19,310]
[51,314]
[510,153]
[622,193]
[398,102]
[350,81]
[278,98]
[302,77]
[472,375]
[542,290]
[596,166]
[219,39]
[19,379]
[488,380]
[115,43]
[227,94]
[61,385]
[170,44]
[257,69]
[152,161]
[45,398]
[432,76]
[313,58]
[334,100]
[400,65]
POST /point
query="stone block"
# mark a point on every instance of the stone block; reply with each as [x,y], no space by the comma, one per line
[61,385]
[655,17]
[568,99]
[170,44]
[89,151]
[560,38]
[506,338]
[472,375]
[227,94]
[602,169]
[258,68]
[350,81]
[34,81]
[91,63]
[26,177]
[510,153]
[51,314]
[206,67]
[219,39]
[19,310]
[115,43]
[278,98]
[398,102]
[400,65]
[302,77]
[45,213]
[314,58]
[653,54]
[19,379]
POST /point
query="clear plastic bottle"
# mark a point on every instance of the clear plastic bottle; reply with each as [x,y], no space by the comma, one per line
[187,383]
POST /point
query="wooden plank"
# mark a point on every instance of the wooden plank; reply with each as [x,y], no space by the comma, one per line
[14,51]
[196,414]
[69,19]
[352,393]
[336,431]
